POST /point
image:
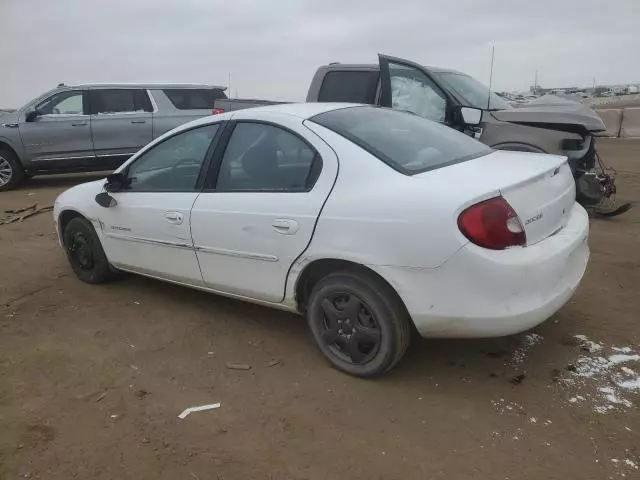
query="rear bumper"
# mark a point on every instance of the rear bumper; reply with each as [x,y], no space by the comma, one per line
[486,293]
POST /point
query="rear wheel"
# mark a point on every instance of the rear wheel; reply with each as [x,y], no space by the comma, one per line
[11,171]
[359,323]
[85,253]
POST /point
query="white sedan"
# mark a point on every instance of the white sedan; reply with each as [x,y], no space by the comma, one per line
[366,220]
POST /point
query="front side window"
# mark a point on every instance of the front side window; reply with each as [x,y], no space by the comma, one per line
[261,157]
[63,103]
[407,143]
[173,165]
[413,91]
[119,100]
[474,93]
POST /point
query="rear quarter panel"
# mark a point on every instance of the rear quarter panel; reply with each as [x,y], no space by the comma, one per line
[377,216]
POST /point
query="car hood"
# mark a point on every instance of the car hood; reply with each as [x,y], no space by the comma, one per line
[8,117]
[567,113]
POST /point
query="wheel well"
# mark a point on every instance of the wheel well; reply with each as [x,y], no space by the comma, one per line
[64,219]
[6,146]
[319,269]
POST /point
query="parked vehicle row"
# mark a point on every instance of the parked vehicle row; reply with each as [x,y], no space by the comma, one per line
[366,220]
[45,142]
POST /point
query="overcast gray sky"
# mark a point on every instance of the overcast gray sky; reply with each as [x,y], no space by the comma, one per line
[272,48]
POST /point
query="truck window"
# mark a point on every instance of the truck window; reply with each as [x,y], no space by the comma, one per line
[119,100]
[349,86]
[413,91]
[194,98]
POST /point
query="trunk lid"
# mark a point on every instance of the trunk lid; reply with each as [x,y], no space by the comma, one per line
[539,187]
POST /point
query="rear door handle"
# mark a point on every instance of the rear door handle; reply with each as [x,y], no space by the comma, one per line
[138,121]
[80,124]
[285,226]
[174,217]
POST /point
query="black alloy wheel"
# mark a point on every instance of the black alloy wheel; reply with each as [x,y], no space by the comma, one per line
[358,322]
[85,253]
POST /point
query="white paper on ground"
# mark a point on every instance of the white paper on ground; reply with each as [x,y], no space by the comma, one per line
[189,410]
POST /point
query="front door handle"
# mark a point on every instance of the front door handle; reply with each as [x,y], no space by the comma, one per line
[138,121]
[285,226]
[174,217]
[79,124]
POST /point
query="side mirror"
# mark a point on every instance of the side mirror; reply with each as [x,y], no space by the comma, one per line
[105,200]
[471,116]
[31,116]
[115,182]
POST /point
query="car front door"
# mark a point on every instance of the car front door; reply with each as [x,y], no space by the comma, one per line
[121,123]
[261,206]
[148,231]
[405,85]
[59,131]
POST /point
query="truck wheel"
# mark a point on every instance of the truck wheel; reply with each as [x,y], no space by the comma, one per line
[358,323]
[11,171]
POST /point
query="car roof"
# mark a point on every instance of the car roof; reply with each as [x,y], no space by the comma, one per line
[372,66]
[300,110]
[150,86]
[303,111]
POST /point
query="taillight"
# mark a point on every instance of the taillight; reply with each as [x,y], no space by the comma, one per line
[492,224]
[217,111]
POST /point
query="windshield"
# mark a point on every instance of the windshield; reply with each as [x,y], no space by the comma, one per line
[406,142]
[472,91]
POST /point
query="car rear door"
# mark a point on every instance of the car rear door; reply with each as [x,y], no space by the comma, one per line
[121,123]
[259,210]
[405,85]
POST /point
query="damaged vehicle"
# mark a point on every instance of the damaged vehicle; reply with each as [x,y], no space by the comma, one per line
[368,221]
[461,102]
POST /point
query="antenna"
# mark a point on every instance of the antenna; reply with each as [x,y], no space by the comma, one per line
[493,50]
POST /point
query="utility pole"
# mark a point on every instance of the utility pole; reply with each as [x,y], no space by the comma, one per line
[493,51]
[229,85]
[535,84]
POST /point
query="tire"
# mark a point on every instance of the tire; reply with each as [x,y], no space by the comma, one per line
[359,323]
[11,171]
[85,252]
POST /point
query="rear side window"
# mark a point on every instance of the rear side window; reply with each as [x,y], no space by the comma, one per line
[351,87]
[406,142]
[194,98]
[119,100]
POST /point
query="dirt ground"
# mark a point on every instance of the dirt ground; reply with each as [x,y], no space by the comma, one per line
[92,378]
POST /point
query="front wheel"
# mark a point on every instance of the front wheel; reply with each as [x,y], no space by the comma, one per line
[85,253]
[358,323]
[11,171]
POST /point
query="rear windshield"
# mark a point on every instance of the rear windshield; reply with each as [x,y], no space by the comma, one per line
[406,142]
[194,98]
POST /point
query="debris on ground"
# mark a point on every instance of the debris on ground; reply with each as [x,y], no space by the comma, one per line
[528,341]
[200,408]
[238,366]
[20,214]
[141,393]
[273,363]
[517,380]
[101,396]
[603,376]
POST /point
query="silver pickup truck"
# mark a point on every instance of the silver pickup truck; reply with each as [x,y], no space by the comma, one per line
[94,127]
